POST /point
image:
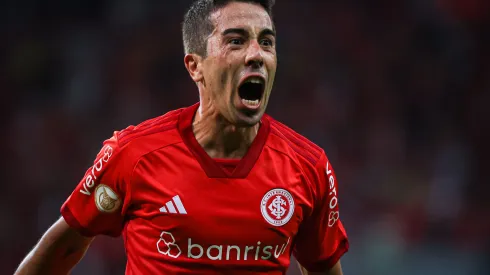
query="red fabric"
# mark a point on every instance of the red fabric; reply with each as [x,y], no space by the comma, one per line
[227,164]
[182,212]
[322,239]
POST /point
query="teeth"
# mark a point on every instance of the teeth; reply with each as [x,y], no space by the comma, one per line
[254,80]
[251,102]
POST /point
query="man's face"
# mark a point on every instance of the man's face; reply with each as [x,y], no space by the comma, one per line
[241,62]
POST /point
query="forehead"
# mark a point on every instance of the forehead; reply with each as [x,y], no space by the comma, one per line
[241,15]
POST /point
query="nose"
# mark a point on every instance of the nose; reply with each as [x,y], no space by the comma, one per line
[254,57]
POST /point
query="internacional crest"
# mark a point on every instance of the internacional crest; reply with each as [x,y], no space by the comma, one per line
[277,206]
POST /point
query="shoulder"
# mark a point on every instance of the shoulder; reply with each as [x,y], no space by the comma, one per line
[158,125]
[307,155]
[149,135]
[288,141]
[310,157]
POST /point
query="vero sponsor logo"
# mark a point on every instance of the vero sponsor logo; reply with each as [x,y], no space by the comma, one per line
[333,215]
[89,180]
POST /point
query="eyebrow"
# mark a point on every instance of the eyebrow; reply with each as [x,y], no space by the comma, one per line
[243,32]
[267,32]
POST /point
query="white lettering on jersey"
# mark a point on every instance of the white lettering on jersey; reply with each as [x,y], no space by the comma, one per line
[166,245]
[90,178]
[250,252]
[333,216]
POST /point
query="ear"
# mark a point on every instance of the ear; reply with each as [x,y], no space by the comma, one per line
[193,64]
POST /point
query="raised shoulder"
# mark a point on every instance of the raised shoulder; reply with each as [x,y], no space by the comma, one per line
[298,143]
[158,124]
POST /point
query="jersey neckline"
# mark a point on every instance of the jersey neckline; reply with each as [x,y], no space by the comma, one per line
[212,168]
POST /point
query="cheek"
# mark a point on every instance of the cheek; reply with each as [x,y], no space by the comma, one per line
[226,75]
[271,66]
[220,81]
[272,61]
[272,70]
[223,78]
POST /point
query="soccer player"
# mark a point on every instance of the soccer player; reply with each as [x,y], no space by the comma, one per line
[215,188]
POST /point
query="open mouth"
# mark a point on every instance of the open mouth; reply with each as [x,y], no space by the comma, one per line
[251,92]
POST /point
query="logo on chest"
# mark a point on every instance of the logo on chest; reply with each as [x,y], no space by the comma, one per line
[277,206]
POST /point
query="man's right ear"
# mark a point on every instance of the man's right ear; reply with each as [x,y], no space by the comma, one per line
[193,64]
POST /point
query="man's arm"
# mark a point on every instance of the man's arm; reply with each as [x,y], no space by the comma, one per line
[58,251]
[335,270]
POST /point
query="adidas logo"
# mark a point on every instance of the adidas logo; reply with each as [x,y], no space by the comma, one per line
[170,208]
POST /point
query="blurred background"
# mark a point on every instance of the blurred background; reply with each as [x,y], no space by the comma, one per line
[397,92]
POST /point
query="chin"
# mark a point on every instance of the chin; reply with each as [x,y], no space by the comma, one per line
[244,119]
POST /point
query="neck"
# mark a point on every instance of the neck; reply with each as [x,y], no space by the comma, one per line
[219,138]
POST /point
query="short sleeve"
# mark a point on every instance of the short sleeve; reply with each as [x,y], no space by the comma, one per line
[322,239]
[98,204]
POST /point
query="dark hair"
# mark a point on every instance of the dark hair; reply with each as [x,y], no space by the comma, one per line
[197,25]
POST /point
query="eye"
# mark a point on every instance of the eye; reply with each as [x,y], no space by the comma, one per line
[235,41]
[266,42]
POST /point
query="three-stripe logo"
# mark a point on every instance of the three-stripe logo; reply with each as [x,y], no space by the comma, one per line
[170,208]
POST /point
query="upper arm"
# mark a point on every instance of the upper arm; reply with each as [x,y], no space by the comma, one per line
[60,248]
[321,239]
[96,206]
[60,231]
[60,234]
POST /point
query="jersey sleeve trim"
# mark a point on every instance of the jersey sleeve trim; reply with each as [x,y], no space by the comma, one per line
[72,221]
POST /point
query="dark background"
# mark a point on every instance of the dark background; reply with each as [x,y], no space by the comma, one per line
[397,92]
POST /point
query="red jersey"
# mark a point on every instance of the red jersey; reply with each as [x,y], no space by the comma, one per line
[182,212]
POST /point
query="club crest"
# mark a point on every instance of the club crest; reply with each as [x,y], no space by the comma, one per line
[277,206]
